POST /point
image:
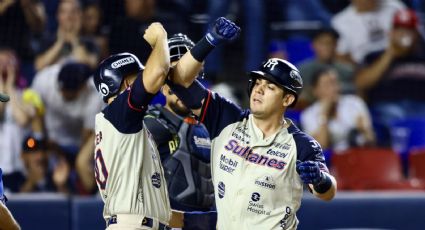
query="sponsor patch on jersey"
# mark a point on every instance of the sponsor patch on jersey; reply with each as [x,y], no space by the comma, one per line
[227,164]
[202,142]
[284,221]
[266,182]
[274,152]
[156,180]
[221,189]
[255,205]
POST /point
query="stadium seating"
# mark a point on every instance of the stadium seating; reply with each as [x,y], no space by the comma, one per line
[370,169]
[417,164]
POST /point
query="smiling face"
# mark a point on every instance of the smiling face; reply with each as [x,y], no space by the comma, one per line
[268,100]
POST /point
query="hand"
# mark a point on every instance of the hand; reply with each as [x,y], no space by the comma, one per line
[154,32]
[222,31]
[310,173]
[61,173]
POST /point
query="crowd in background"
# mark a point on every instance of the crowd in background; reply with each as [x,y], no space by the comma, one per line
[362,62]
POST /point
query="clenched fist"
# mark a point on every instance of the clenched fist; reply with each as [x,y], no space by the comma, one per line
[154,32]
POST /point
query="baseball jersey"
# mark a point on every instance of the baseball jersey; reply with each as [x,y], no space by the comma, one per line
[255,179]
[128,169]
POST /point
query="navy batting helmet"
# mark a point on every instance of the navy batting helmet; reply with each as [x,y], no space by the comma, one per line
[111,71]
[280,72]
[179,44]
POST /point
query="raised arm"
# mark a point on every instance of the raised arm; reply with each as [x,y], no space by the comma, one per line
[188,67]
[190,64]
[158,63]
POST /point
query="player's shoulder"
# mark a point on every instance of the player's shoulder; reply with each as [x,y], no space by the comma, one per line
[303,141]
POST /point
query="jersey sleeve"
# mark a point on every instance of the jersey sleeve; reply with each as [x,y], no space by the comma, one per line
[218,112]
[308,149]
[128,108]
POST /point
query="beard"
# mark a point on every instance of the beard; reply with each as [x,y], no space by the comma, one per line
[179,110]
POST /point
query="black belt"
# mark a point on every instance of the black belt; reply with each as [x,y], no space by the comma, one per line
[147,222]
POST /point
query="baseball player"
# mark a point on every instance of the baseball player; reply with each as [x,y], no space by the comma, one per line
[259,159]
[181,140]
[128,170]
[7,222]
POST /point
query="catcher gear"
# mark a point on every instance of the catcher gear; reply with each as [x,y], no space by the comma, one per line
[179,44]
[280,72]
[111,71]
[223,30]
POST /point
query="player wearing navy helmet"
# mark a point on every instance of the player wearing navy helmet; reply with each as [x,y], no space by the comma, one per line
[128,169]
[259,159]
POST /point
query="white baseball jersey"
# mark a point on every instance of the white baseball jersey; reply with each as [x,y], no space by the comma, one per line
[255,179]
[128,169]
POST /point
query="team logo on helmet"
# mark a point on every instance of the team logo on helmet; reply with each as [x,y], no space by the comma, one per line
[271,63]
[121,62]
[296,76]
[104,89]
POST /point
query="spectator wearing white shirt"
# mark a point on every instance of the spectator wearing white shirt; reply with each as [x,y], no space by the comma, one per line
[71,103]
[364,27]
[336,121]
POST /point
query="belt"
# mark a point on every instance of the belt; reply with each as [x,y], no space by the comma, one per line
[146,221]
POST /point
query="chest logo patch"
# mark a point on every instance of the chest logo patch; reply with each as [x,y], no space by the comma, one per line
[266,182]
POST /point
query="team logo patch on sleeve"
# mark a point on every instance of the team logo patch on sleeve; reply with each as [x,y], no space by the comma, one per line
[156,180]
[221,189]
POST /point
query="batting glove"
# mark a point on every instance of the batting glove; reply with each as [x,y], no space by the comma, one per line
[222,31]
[310,172]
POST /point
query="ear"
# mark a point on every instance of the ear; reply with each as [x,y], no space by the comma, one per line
[288,99]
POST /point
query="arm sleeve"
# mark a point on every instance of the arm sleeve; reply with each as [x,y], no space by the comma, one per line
[308,149]
[128,108]
[218,112]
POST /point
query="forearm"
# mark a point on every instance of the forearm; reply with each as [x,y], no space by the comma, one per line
[21,116]
[35,16]
[7,222]
[49,56]
[84,164]
[330,193]
[186,70]
[157,66]
[369,76]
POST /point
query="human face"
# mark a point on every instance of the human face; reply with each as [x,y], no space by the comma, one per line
[173,102]
[267,99]
[69,15]
[91,19]
[324,47]
[327,87]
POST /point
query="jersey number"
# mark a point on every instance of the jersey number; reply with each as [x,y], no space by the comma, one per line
[100,171]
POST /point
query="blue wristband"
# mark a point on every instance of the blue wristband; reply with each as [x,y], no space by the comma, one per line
[323,186]
[201,50]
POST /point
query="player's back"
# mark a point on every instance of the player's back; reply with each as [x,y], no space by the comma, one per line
[128,169]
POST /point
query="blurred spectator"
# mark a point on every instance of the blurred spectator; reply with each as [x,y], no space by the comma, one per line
[363,28]
[324,46]
[336,121]
[20,21]
[126,33]
[68,42]
[394,82]
[14,118]
[255,45]
[71,103]
[92,27]
[38,176]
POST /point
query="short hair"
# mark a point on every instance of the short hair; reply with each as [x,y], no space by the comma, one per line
[326,30]
[319,73]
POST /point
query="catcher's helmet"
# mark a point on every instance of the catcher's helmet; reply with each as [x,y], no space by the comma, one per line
[280,72]
[179,44]
[111,71]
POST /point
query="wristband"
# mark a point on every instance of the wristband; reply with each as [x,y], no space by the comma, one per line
[201,50]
